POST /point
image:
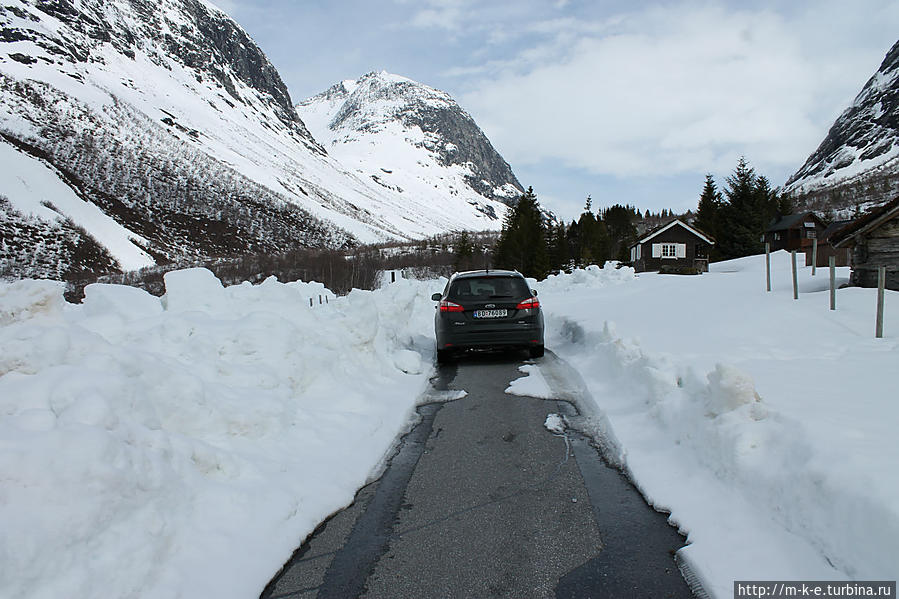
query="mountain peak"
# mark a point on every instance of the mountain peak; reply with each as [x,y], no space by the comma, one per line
[386,77]
[386,124]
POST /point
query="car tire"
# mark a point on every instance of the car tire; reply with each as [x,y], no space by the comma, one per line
[536,352]
[444,356]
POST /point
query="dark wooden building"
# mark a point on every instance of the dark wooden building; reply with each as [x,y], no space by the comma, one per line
[874,241]
[795,232]
[674,247]
[826,249]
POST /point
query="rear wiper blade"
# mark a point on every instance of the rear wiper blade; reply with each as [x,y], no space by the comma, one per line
[499,296]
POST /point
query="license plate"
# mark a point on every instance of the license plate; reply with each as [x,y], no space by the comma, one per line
[490,313]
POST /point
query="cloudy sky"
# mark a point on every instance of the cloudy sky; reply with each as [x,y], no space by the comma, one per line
[627,101]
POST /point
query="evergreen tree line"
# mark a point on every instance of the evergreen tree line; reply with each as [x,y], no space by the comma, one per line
[737,219]
[537,245]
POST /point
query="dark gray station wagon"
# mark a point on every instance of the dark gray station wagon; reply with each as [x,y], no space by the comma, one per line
[484,309]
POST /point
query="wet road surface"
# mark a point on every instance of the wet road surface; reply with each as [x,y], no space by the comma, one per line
[482,501]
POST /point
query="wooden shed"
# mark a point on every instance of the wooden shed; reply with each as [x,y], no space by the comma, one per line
[874,241]
[674,247]
[795,232]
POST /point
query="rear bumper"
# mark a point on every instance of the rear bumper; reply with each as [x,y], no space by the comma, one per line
[468,337]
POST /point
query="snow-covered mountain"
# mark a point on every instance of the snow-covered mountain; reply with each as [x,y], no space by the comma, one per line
[413,140]
[858,161]
[134,132]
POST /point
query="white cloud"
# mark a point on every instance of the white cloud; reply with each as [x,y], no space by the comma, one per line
[668,90]
[449,15]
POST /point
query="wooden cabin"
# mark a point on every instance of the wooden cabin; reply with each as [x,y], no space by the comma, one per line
[674,247]
[874,241]
[795,232]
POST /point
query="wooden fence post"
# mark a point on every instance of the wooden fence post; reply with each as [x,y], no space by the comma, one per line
[795,277]
[814,255]
[768,264]
[833,282]
[881,284]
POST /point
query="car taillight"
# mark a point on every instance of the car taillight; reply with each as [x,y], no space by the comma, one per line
[448,306]
[531,303]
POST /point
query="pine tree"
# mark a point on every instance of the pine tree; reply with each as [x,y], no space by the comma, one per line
[746,213]
[522,243]
[557,247]
[573,238]
[463,252]
[766,201]
[785,205]
[619,222]
[588,228]
[708,212]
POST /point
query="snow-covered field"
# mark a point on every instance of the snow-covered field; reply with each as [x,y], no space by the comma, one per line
[181,447]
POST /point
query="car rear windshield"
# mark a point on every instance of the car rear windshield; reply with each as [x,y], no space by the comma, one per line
[488,287]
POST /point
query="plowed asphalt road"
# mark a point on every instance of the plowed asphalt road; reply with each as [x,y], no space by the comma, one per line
[481,500]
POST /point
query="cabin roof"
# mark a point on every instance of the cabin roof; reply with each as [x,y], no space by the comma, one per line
[833,228]
[675,222]
[866,223]
[792,220]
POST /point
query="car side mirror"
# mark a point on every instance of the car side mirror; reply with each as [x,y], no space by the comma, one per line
[436,297]
[534,292]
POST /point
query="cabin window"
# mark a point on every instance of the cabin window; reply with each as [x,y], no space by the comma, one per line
[669,250]
[778,237]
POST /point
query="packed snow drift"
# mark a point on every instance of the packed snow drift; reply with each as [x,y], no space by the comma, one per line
[183,446]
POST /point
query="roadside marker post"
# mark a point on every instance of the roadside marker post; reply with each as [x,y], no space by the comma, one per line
[881,284]
[795,277]
[833,282]
[814,255]
[768,264]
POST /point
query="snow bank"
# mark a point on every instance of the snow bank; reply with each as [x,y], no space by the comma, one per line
[757,420]
[183,446]
[591,277]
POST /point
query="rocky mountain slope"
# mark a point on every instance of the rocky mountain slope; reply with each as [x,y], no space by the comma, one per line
[857,164]
[140,132]
[411,139]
